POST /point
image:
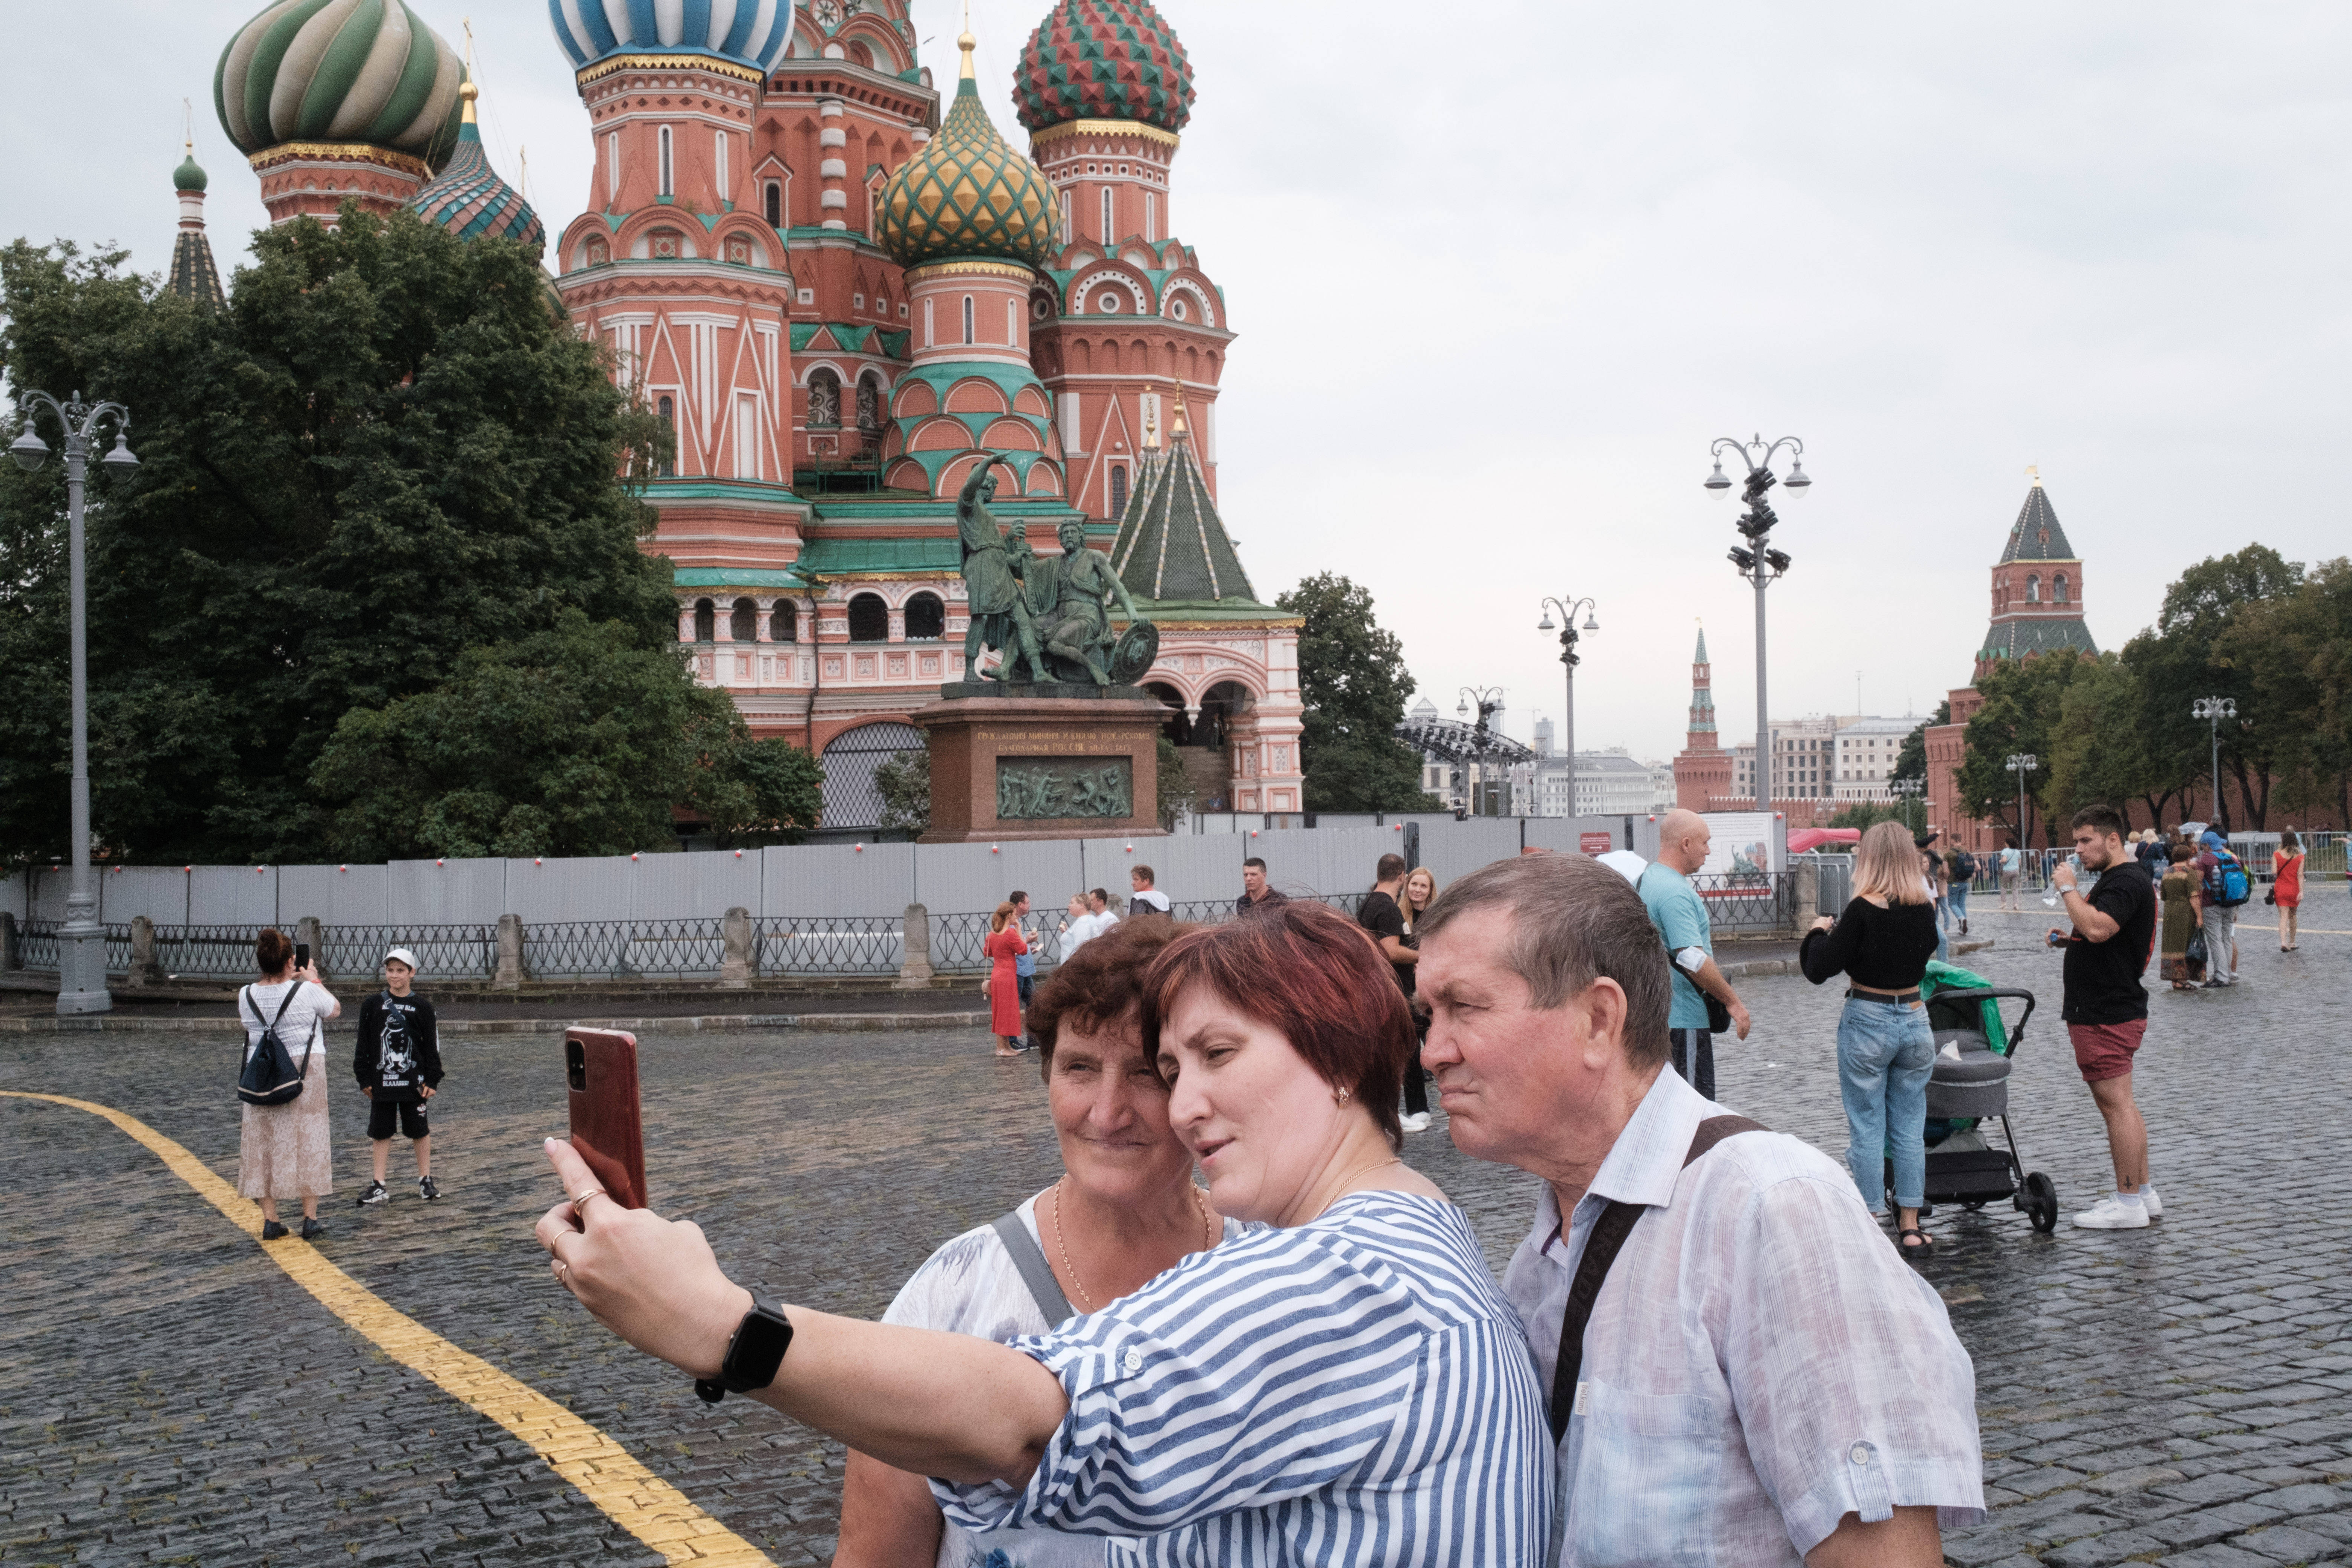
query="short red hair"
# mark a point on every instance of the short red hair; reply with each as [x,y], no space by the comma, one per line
[1308,973]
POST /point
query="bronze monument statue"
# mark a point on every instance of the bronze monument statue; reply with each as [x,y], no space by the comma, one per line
[993,565]
[1053,615]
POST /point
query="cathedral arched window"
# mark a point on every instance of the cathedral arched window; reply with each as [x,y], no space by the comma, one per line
[706,621]
[824,400]
[2058,588]
[776,200]
[869,403]
[743,626]
[784,622]
[1119,489]
[927,618]
[968,330]
[2033,589]
[666,455]
[869,619]
[668,165]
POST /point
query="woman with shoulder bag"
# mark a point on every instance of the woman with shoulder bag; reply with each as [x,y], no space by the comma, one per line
[282,1150]
[1887,1049]
[2286,887]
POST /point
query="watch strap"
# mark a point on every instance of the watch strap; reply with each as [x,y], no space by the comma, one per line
[754,1351]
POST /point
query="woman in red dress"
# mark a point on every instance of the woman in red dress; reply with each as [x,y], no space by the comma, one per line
[1003,945]
[2286,891]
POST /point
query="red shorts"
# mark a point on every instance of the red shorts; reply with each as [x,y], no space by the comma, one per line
[2105,1050]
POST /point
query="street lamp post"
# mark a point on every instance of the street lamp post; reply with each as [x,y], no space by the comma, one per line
[2213,710]
[1489,702]
[1758,561]
[1569,659]
[82,948]
[2021,763]
[1909,790]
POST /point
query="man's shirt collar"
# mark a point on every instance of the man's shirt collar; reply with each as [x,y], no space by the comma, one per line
[1643,1164]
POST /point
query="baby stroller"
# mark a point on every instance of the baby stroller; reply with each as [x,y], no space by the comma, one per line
[1968,1089]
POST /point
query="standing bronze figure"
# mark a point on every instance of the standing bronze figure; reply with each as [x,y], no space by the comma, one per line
[993,567]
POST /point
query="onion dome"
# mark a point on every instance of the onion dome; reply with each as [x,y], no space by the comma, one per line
[365,71]
[469,200]
[1104,59]
[969,192]
[747,33]
[190,174]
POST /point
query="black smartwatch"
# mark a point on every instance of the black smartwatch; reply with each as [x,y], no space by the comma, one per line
[753,1353]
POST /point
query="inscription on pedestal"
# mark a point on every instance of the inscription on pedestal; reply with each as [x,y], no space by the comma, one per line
[1037,789]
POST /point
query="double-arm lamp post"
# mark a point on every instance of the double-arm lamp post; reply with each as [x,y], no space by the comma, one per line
[1909,790]
[2213,710]
[82,948]
[2021,763]
[1488,700]
[1569,659]
[1758,560]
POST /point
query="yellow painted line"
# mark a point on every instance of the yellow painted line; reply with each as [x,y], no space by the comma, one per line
[634,1498]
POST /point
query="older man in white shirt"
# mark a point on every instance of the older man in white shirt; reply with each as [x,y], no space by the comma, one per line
[1760,1378]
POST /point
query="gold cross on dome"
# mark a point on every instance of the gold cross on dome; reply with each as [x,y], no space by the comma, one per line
[2033,472]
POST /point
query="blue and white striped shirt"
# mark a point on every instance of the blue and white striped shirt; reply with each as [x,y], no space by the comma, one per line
[1354,1390]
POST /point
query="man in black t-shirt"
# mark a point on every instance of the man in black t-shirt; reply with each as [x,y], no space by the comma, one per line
[398,1064]
[1383,915]
[2106,1007]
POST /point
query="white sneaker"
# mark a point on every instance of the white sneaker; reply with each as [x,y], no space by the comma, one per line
[2108,1214]
[2155,1205]
[1415,1123]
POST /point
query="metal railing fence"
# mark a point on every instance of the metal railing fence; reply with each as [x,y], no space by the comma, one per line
[447,952]
[814,946]
[207,953]
[1833,880]
[1752,901]
[623,950]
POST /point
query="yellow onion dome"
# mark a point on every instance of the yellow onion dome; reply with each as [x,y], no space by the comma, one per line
[969,192]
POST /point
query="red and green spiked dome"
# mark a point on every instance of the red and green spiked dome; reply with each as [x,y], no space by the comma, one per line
[1104,59]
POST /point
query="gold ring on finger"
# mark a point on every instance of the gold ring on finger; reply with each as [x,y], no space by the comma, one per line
[579,1203]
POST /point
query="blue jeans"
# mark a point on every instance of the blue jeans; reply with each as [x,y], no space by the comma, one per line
[1958,901]
[1885,1055]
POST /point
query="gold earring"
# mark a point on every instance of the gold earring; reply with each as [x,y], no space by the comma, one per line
[1342,1097]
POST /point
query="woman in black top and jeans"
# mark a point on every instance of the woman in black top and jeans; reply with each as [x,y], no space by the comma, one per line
[1885,1048]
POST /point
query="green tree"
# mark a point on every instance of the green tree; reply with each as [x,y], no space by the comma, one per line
[390,448]
[1177,790]
[2293,652]
[1352,678]
[2023,707]
[1866,814]
[1911,760]
[574,741]
[905,785]
[2098,754]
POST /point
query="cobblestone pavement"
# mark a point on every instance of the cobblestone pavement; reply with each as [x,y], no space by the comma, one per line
[2181,1394]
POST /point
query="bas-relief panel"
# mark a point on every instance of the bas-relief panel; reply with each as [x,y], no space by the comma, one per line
[1031,789]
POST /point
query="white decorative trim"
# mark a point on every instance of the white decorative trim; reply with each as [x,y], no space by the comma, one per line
[1136,291]
[1201,297]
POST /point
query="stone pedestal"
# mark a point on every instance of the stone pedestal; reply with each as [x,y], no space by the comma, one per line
[1014,762]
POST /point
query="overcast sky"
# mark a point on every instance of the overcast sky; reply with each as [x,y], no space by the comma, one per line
[1500,274]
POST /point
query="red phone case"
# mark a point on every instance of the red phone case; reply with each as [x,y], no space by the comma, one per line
[601,1065]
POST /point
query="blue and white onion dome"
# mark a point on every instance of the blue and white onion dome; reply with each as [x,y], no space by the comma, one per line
[365,71]
[751,33]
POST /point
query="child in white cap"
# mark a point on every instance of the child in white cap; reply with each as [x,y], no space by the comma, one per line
[398,1064]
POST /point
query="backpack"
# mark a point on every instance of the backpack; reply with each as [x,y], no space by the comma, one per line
[2227,882]
[270,1076]
[1966,871]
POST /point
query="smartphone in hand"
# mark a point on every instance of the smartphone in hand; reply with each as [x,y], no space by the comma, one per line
[600,1066]
[302,956]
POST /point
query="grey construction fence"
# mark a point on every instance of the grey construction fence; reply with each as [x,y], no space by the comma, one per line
[805,912]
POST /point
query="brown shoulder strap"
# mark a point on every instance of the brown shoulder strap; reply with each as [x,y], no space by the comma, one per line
[1600,1249]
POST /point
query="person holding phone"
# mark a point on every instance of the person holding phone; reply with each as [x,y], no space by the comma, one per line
[1350,1373]
[1124,1212]
[1003,950]
[398,1065]
[284,1151]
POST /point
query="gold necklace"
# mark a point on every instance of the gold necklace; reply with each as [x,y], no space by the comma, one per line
[1061,1245]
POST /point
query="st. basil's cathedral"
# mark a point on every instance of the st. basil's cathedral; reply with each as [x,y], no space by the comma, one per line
[840,300]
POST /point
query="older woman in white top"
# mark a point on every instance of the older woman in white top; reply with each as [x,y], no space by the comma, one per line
[282,1151]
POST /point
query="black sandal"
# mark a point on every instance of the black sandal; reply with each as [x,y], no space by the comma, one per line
[1927,1248]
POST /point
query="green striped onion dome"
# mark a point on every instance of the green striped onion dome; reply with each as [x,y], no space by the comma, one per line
[364,71]
[969,192]
[1104,59]
[469,200]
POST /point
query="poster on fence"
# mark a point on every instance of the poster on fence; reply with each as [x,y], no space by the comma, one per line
[1745,844]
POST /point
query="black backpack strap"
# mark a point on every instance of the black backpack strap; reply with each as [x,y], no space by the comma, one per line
[1036,1272]
[1600,1249]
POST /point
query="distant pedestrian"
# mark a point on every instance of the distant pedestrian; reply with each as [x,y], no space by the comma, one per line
[2227,888]
[1931,869]
[1383,915]
[2153,853]
[1882,943]
[1025,968]
[2286,887]
[285,1151]
[1704,1002]
[1144,896]
[2106,1007]
[2012,861]
[1004,949]
[1959,872]
[1078,926]
[1258,895]
[398,1065]
[2184,915]
[1419,892]
[1098,901]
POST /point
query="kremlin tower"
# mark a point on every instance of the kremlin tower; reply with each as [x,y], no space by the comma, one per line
[1703,770]
[332,99]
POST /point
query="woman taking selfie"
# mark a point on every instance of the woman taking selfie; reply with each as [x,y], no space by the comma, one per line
[282,1151]
[1399,1421]
[1124,1212]
[1885,1048]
